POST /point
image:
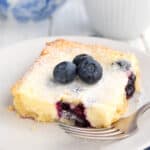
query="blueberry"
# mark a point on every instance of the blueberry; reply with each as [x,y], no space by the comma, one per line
[79,58]
[132,77]
[64,72]
[65,106]
[79,111]
[75,114]
[90,71]
[82,123]
[123,64]
[130,87]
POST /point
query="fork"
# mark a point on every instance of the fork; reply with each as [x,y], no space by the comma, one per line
[123,128]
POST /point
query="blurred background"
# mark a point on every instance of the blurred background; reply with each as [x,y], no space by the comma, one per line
[116,19]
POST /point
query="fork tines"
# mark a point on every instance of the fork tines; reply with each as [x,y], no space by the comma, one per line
[110,133]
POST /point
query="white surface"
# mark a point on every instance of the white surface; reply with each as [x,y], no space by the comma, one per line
[17,133]
[70,19]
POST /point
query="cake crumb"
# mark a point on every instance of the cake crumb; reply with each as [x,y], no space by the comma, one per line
[11,108]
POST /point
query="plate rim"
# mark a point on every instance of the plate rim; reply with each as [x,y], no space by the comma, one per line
[75,38]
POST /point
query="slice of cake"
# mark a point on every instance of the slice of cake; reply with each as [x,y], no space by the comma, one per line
[87,85]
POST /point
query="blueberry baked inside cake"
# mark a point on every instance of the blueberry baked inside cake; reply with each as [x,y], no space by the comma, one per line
[83,85]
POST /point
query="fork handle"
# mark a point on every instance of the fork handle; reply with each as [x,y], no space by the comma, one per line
[141,110]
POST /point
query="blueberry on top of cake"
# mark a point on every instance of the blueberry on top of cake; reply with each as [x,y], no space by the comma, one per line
[86,85]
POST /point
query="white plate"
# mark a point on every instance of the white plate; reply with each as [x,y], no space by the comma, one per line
[23,134]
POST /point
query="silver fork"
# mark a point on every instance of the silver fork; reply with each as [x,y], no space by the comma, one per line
[123,128]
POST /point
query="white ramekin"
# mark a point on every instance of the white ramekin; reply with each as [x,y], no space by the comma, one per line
[119,19]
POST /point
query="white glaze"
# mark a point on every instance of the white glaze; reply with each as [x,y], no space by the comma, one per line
[108,89]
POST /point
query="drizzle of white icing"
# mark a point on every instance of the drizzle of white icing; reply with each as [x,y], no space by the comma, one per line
[41,85]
